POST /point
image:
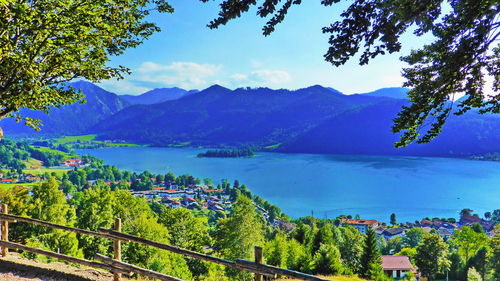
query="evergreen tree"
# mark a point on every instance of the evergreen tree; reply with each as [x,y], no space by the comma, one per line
[301,233]
[371,262]
[327,260]
[393,219]
[323,235]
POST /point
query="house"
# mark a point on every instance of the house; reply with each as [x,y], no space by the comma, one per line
[379,230]
[469,219]
[393,232]
[189,200]
[215,207]
[397,267]
[7,181]
[171,202]
[425,223]
[444,233]
[361,225]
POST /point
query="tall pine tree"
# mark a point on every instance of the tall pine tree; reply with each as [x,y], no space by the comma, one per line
[371,262]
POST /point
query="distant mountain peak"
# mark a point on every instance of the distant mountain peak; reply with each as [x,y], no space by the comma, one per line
[216,87]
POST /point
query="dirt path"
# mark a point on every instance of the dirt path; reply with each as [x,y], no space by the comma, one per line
[16,268]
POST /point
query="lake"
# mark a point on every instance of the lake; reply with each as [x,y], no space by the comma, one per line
[330,185]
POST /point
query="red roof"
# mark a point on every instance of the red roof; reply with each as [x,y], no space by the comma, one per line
[212,190]
[360,222]
[396,263]
[159,188]
[7,180]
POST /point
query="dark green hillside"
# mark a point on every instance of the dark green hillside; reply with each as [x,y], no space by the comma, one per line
[157,96]
[76,118]
[220,116]
[368,131]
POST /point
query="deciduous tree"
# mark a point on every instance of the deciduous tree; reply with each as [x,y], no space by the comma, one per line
[237,235]
[432,256]
[469,242]
[47,43]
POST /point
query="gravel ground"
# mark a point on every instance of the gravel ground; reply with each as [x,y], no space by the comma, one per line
[15,268]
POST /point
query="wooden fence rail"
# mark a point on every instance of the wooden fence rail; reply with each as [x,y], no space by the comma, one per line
[118,267]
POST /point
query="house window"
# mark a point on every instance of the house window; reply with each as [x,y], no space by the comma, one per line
[398,274]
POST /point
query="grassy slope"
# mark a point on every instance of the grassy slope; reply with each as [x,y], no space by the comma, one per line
[91,139]
[64,154]
[32,163]
[83,138]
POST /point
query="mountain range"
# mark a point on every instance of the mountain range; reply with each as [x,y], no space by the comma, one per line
[309,120]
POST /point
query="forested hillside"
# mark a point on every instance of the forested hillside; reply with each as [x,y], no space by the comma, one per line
[157,96]
[75,118]
[314,120]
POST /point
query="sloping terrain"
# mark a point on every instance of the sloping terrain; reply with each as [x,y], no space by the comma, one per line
[15,268]
[313,120]
[157,96]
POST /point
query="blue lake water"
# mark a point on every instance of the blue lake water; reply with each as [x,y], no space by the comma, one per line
[329,185]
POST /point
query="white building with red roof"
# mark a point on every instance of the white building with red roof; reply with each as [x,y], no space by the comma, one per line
[361,225]
[397,267]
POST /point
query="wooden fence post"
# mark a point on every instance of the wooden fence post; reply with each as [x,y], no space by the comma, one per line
[258,259]
[5,230]
[117,247]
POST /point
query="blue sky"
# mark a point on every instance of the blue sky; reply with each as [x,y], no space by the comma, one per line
[189,55]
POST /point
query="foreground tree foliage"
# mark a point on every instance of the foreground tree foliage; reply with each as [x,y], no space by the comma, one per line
[46,43]
[465,51]
[432,256]
[237,235]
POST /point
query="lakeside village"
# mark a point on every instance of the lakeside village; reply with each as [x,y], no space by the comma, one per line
[217,201]
[199,197]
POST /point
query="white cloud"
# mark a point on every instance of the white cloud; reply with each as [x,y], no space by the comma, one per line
[186,75]
[262,77]
[239,77]
[191,75]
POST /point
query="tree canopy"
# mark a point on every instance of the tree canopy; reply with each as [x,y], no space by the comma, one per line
[44,44]
[465,51]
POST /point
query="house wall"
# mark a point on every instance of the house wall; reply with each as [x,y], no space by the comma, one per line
[394,274]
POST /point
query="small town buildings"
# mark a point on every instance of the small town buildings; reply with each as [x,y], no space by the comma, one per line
[444,233]
[397,267]
[361,225]
[393,232]
[379,230]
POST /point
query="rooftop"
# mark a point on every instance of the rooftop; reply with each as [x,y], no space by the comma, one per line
[360,222]
[396,263]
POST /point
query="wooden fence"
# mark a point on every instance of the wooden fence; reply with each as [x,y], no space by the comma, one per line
[118,267]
